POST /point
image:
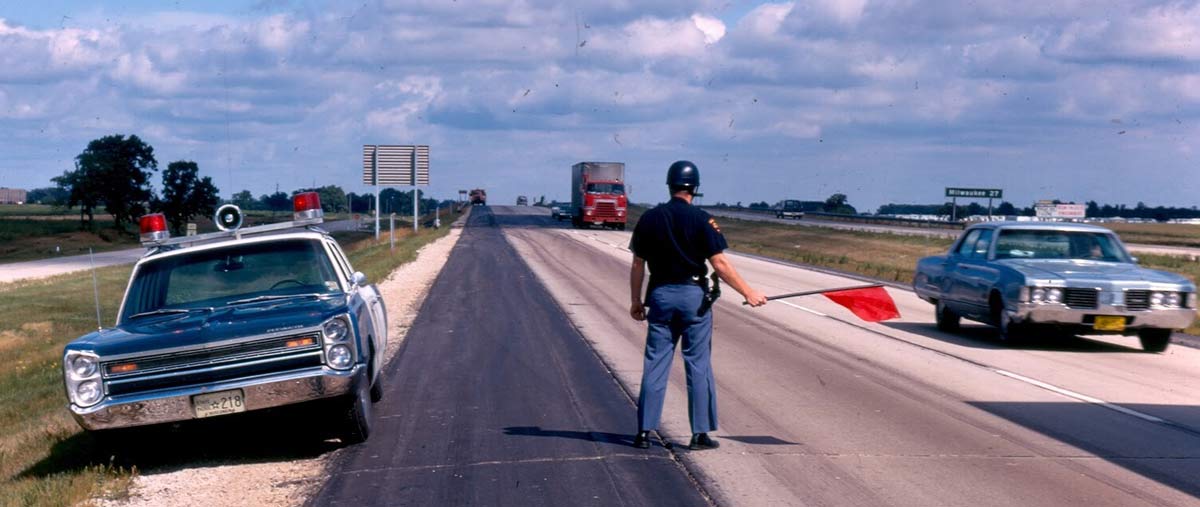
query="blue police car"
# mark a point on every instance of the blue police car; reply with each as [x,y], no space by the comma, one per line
[234,321]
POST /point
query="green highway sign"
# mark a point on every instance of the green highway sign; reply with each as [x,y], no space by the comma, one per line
[978,193]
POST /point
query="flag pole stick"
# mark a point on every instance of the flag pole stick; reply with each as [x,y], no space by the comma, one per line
[820,291]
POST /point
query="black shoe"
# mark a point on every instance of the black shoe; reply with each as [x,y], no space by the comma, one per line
[642,440]
[701,441]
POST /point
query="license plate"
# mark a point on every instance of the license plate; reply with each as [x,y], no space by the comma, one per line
[599,222]
[1109,323]
[219,403]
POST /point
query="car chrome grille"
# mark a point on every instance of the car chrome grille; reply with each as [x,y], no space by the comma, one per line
[1137,300]
[164,371]
[1080,298]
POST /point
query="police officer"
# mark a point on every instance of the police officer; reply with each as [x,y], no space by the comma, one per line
[675,239]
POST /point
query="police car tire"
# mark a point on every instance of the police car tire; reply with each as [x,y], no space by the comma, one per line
[1155,340]
[377,388]
[357,424]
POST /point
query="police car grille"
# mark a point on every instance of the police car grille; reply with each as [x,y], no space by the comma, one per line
[228,362]
[1137,300]
[1081,298]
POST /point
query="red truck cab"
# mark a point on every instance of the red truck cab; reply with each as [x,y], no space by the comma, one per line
[598,195]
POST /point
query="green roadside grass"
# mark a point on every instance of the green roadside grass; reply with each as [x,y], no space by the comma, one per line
[43,458]
[23,239]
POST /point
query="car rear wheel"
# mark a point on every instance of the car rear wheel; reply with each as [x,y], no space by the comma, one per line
[1155,340]
[947,320]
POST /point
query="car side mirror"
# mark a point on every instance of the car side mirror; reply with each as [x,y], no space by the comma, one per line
[1133,259]
[358,279]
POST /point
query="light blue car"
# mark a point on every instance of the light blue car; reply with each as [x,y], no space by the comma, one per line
[1037,279]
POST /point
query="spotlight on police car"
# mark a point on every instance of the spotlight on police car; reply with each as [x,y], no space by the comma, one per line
[228,218]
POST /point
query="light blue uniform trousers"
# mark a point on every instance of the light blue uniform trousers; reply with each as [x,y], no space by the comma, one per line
[671,313]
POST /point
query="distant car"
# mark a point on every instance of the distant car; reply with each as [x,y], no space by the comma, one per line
[235,321]
[522,200]
[788,209]
[1026,277]
[561,212]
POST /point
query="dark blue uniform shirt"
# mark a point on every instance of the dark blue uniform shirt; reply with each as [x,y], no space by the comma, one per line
[675,239]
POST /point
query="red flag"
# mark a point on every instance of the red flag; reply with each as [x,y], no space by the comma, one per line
[871,304]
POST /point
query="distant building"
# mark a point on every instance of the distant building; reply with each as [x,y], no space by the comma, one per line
[12,196]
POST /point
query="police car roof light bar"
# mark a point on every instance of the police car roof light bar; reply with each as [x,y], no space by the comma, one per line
[153,229]
[307,212]
[307,208]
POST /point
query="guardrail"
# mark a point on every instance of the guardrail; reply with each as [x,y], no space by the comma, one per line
[860,219]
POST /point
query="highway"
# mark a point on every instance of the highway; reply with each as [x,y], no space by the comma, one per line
[1135,248]
[819,408]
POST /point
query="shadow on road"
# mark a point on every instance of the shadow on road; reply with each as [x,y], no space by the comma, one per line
[1167,454]
[257,437]
[591,436]
[985,337]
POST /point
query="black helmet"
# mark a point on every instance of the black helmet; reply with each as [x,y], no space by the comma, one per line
[683,174]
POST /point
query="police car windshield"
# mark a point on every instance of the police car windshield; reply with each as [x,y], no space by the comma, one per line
[214,278]
[606,188]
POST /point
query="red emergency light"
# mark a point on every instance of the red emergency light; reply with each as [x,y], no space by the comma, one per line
[307,207]
[153,228]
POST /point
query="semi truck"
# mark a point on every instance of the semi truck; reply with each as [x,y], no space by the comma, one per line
[478,197]
[598,195]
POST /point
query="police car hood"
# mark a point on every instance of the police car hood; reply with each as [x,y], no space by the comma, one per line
[157,333]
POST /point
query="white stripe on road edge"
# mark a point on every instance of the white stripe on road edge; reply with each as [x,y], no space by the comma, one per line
[1033,382]
[1078,396]
[798,307]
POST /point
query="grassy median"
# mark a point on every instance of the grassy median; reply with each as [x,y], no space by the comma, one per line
[43,460]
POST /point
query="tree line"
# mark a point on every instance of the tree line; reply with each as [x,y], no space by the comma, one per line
[1005,208]
[114,172]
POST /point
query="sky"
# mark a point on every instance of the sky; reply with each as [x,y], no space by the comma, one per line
[884,101]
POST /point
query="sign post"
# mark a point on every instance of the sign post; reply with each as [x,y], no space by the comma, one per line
[397,165]
[972,193]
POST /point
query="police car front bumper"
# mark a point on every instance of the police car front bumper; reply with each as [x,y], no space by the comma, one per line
[261,392]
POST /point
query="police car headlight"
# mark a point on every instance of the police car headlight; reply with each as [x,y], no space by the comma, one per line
[340,357]
[1054,295]
[1156,298]
[1171,300]
[1037,294]
[83,366]
[336,330]
[88,392]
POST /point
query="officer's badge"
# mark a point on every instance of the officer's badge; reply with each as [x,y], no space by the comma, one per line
[713,223]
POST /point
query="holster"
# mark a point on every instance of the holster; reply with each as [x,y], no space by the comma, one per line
[711,294]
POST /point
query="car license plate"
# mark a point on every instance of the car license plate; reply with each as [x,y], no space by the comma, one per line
[1109,323]
[599,222]
[219,403]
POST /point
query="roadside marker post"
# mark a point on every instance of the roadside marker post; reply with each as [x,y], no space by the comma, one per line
[392,230]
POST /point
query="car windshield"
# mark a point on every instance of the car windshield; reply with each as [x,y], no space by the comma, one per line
[211,278]
[606,188]
[791,205]
[1052,244]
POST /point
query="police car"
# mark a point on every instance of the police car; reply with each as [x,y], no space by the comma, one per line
[234,321]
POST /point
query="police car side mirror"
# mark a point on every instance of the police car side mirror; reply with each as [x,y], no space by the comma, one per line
[358,279]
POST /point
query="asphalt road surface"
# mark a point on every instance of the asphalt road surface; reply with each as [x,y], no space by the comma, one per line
[819,408]
[495,399]
[924,231]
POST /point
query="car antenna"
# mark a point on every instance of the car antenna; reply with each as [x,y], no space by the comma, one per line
[95,290]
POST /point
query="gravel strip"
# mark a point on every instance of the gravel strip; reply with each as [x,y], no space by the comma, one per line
[288,482]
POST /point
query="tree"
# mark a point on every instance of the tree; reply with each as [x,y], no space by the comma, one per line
[185,194]
[1006,208]
[836,203]
[244,200]
[53,196]
[277,201]
[113,170]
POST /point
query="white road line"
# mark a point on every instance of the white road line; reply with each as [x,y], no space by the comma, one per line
[1031,381]
[1081,397]
[798,307]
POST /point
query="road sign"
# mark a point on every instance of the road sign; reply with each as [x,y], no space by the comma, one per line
[406,165]
[977,193]
[1051,210]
